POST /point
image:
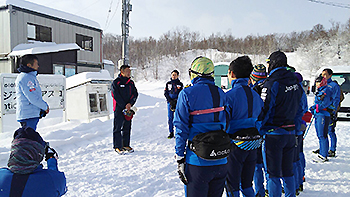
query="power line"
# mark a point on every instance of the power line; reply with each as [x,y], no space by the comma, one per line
[115,11]
[109,11]
[335,4]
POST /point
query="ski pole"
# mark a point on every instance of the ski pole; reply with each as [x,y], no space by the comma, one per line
[307,130]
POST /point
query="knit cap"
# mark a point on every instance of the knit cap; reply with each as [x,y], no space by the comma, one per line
[258,73]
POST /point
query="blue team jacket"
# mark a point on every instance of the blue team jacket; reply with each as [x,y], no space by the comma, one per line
[237,102]
[323,100]
[41,182]
[198,97]
[282,95]
[172,89]
[335,91]
[29,99]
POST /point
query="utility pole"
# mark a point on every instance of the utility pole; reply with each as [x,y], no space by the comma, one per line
[126,9]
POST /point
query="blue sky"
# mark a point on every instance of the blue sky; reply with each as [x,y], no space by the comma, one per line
[237,17]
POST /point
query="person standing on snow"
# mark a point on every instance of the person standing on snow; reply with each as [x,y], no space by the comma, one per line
[298,170]
[244,106]
[25,175]
[336,94]
[282,95]
[202,144]
[30,106]
[322,117]
[171,92]
[257,79]
[124,95]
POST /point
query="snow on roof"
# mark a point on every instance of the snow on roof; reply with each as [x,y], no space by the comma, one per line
[107,62]
[84,77]
[50,11]
[42,47]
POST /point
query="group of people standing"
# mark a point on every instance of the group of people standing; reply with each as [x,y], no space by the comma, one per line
[218,134]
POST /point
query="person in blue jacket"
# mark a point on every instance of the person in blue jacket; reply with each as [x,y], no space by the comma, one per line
[171,92]
[124,94]
[297,164]
[335,89]
[257,79]
[244,105]
[323,101]
[30,106]
[24,175]
[200,110]
[282,96]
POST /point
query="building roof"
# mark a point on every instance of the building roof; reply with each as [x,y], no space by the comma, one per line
[87,77]
[42,47]
[50,12]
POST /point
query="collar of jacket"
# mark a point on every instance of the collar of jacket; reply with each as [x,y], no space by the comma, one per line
[276,69]
[202,80]
[329,80]
[25,69]
[174,80]
[239,82]
[124,79]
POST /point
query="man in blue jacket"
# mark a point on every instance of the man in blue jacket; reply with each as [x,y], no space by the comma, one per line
[282,95]
[30,106]
[171,92]
[124,95]
[335,90]
[25,175]
[200,111]
[244,105]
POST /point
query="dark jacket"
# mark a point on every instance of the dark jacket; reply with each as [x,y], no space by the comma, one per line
[172,89]
[282,96]
[123,92]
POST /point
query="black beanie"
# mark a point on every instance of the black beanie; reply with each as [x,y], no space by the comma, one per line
[277,59]
[241,67]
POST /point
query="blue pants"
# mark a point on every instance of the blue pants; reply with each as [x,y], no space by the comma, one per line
[301,164]
[205,180]
[279,160]
[170,119]
[30,122]
[258,174]
[121,130]
[296,163]
[332,136]
[322,124]
[241,166]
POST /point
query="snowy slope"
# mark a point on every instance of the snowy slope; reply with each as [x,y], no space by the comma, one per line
[92,167]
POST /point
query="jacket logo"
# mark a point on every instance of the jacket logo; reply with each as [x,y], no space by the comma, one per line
[169,86]
[263,94]
[122,86]
[292,87]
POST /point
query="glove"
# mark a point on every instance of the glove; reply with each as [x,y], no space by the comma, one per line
[317,110]
[42,113]
[181,162]
[50,153]
[173,104]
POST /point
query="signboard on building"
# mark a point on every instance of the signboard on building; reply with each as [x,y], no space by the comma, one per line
[52,87]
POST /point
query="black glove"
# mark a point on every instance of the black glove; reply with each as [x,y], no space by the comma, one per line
[50,153]
[173,104]
[42,113]
[181,163]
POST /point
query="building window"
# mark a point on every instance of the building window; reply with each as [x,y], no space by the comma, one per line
[66,70]
[39,33]
[85,42]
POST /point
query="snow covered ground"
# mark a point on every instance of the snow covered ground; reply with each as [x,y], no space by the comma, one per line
[92,168]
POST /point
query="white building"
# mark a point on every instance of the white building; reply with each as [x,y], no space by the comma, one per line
[23,22]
